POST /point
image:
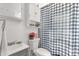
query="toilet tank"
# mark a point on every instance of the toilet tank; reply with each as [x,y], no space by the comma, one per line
[34,43]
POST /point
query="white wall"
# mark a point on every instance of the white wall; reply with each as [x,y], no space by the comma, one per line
[10,9]
[17,31]
[12,30]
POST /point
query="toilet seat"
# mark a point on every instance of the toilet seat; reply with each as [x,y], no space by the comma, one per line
[42,52]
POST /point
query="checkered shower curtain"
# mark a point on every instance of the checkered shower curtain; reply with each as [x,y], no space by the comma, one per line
[60,28]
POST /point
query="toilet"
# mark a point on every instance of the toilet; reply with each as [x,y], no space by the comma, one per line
[42,52]
[38,51]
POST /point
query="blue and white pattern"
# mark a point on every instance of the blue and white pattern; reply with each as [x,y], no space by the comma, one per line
[60,28]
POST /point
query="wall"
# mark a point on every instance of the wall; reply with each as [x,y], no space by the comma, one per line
[13,31]
[10,9]
[17,31]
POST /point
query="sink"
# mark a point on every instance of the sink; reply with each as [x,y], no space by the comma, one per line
[14,48]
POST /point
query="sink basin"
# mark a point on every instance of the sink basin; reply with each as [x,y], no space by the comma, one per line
[16,48]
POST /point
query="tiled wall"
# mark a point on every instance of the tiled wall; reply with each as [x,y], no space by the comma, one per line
[60,28]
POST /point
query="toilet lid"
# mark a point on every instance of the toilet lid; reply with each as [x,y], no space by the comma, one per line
[42,52]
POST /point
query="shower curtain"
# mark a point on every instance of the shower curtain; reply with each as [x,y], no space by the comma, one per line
[60,28]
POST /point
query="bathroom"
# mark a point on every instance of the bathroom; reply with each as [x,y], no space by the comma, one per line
[18,20]
[39,29]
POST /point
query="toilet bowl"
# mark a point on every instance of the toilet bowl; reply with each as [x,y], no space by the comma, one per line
[38,51]
[42,52]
